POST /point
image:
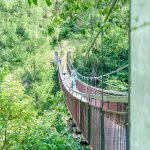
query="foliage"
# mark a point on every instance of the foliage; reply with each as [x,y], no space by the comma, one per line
[21,126]
[48,2]
[28,80]
[32,110]
[115,40]
[16,111]
[84,18]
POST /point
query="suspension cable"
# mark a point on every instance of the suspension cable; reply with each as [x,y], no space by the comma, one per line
[101,27]
[107,74]
[99,78]
[115,71]
[87,53]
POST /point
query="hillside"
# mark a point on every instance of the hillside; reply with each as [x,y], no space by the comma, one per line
[32,109]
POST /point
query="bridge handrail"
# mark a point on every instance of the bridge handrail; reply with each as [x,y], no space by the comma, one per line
[116,97]
[105,91]
[90,78]
[99,77]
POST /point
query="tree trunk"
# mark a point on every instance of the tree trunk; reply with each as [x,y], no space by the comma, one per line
[140,75]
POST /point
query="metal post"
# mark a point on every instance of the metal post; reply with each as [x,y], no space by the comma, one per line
[127,130]
[89,122]
[102,112]
[81,116]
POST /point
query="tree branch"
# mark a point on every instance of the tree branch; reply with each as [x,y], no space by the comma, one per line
[105,20]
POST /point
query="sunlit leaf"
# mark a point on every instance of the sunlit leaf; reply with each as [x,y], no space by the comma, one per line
[48,2]
[35,2]
[29,2]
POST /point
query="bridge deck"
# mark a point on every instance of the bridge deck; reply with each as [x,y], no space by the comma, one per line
[102,127]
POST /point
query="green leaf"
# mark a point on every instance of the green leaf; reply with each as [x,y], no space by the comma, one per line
[50,30]
[29,2]
[85,7]
[48,2]
[35,2]
[58,20]
[83,31]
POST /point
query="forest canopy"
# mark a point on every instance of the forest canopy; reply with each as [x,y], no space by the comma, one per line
[32,110]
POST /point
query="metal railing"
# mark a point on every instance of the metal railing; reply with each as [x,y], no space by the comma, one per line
[88,118]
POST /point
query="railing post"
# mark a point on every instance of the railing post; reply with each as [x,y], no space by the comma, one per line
[89,115]
[102,130]
[81,115]
[68,57]
[89,122]
[56,59]
[102,111]
[127,129]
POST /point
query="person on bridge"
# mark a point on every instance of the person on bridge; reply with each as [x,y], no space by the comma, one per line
[73,80]
[59,60]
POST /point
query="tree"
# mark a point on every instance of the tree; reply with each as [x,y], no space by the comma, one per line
[16,111]
[140,75]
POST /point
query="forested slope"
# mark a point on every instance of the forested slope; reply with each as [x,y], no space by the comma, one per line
[80,22]
[32,110]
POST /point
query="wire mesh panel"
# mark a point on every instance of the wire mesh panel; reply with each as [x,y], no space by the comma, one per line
[77,112]
[109,124]
[115,106]
[79,86]
[74,108]
[84,119]
[95,128]
[109,105]
[115,130]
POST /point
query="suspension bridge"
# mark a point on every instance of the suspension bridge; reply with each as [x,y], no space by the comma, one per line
[101,115]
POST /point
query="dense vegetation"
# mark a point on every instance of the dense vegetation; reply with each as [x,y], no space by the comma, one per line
[32,110]
[80,22]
